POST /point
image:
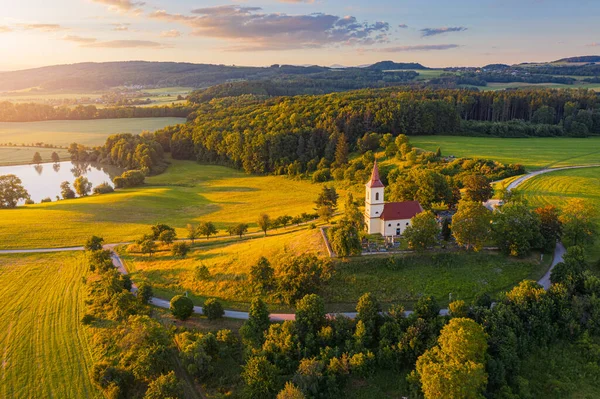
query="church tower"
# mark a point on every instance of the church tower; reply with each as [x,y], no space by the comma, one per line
[374,202]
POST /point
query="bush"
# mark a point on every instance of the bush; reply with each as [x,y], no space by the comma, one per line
[145,293]
[47,199]
[201,273]
[29,201]
[321,175]
[182,307]
[213,309]
[180,249]
[103,188]
[130,178]
[165,386]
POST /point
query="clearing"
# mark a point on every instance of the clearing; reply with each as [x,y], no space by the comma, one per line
[88,132]
[44,347]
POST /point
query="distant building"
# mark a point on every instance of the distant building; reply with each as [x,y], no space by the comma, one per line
[389,219]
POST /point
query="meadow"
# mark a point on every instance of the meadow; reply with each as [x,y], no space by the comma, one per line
[186,193]
[44,347]
[533,153]
[557,187]
[22,155]
[87,132]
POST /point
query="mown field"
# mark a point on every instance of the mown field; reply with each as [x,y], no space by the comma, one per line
[557,187]
[88,132]
[186,193]
[44,348]
[533,153]
[21,155]
[228,260]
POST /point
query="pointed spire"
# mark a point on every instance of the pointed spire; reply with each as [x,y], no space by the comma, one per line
[375,180]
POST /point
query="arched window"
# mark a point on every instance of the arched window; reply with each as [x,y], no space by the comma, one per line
[376,196]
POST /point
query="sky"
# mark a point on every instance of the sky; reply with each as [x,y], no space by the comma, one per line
[435,33]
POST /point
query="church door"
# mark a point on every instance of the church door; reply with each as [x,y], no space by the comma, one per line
[398,231]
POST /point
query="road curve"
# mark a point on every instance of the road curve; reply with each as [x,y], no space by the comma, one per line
[233,314]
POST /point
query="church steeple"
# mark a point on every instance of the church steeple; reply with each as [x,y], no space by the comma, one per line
[374,202]
[375,181]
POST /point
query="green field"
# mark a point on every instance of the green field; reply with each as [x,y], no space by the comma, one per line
[533,153]
[88,132]
[557,187]
[21,155]
[186,193]
[44,348]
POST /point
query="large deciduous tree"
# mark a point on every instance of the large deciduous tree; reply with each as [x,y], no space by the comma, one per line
[207,229]
[471,225]
[550,226]
[477,188]
[422,232]
[578,223]
[516,229]
[11,191]
[82,186]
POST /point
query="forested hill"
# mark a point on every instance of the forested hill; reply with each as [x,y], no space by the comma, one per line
[98,76]
[263,135]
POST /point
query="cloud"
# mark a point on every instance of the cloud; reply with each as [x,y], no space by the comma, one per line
[122,5]
[127,44]
[43,27]
[120,27]
[595,44]
[439,31]
[79,39]
[423,47]
[403,26]
[4,29]
[297,1]
[170,33]
[276,31]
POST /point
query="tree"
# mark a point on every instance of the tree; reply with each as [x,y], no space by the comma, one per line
[55,157]
[66,191]
[240,229]
[258,322]
[352,214]
[262,274]
[103,188]
[327,197]
[213,309]
[181,307]
[345,240]
[550,226]
[145,293]
[477,188]
[577,219]
[471,225]
[516,229]
[94,243]
[326,213]
[167,237]
[159,228]
[147,245]
[82,186]
[301,275]
[165,387]
[264,222]
[310,314]
[11,191]
[455,369]
[193,233]
[422,232]
[290,391]
[571,271]
[260,377]
[180,249]
[341,151]
[367,312]
[37,158]
[207,229]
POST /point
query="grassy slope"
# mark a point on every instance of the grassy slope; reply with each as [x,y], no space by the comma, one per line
[43,344]
[228,260]
[557,187]
[21,155]
[533,153]
[186,193]
[92,132]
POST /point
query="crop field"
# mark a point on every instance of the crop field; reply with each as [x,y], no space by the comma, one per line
[88,132]
[21,155]
[533,153]
[557,187]
[44,348]
[228,260]
[186,193]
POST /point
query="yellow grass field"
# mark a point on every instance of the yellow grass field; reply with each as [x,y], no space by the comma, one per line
[43,345]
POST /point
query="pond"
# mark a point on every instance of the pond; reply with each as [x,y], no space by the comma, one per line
[43,180]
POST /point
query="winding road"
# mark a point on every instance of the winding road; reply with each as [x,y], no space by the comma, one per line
[233,314]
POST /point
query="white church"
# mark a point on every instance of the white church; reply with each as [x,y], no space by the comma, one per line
[389,219]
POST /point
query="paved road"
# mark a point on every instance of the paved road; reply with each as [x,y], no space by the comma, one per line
[233,314]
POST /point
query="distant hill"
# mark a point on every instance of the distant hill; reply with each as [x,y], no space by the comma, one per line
[585,58]
[391,65]
[496,66]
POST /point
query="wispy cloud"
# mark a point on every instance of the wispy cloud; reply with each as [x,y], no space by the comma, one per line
[43,27]
[122,5]
[127,44]
[120,27]
[4,29]
[79,39]
[275,31]
[170,33]
[423,47]
[439,31]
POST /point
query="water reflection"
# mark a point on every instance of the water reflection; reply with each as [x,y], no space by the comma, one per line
[41,181]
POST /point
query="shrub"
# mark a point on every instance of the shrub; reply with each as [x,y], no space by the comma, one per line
[29,201]
[321,175]
[47,199]
[180,249]
[103,188]
[181,307]
[165,386]
[130,178]
[213,309]
[145,293]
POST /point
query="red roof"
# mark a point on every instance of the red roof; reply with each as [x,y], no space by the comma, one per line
[375,180]
[400,210]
